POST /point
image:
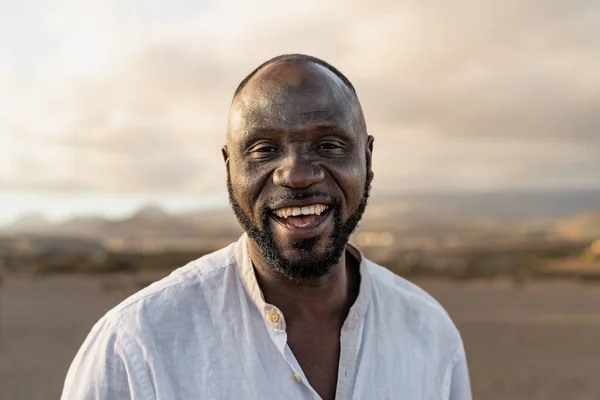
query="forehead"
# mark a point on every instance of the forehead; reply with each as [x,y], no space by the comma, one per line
[293,97]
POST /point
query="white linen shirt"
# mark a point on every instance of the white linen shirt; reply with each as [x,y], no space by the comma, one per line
[206,332]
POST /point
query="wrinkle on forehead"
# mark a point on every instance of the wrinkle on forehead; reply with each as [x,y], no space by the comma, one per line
[287,95]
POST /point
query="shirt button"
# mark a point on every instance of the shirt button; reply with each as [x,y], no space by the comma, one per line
[298,378]
[274,317]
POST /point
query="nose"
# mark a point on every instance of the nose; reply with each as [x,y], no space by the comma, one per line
[297,172]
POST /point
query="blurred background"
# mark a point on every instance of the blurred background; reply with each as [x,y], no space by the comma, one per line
[486,116]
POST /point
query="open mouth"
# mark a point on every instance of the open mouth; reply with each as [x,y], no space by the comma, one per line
[301,218]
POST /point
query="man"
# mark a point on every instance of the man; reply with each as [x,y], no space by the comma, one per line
[291,310]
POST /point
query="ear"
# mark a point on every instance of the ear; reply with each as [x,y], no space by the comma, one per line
[225,154]
[369,156]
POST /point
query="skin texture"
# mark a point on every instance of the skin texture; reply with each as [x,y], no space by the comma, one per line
[297,133]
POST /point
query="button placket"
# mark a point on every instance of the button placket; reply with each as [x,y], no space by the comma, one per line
[347,363]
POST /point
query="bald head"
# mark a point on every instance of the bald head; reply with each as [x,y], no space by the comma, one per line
[295,58]
[293,92]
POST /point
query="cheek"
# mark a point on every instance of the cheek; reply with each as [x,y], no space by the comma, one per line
[351,180]
[247,182]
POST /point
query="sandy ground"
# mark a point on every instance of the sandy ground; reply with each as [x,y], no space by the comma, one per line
[542,342]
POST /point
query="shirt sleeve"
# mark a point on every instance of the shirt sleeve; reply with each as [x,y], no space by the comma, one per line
[460,384]
[107,366]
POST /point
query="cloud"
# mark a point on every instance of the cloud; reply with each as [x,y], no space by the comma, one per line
[470,94]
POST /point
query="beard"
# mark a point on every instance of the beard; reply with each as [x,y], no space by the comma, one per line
[313,265]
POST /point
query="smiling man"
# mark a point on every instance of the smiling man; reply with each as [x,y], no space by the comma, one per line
[291,310]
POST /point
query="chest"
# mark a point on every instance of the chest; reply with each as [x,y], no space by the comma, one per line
[318,353]
[198,363]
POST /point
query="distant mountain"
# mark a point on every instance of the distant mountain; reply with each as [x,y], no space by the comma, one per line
[30,223]
[149,222]
[426,211]
[150,212]
[584,225]
[507,205]
[81,226]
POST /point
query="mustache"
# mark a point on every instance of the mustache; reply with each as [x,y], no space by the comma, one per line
[278,200]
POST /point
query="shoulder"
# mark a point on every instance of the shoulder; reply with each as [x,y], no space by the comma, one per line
[112,361]
[184,290]
[410,304]
[394,285]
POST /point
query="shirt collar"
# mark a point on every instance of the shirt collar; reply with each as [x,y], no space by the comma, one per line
[272,315]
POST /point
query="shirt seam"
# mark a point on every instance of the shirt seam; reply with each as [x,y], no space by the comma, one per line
[135,357]
[448,373]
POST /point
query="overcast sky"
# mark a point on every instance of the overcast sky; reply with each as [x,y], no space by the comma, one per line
[125,99]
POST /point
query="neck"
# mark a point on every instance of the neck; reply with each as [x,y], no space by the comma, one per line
[322,300]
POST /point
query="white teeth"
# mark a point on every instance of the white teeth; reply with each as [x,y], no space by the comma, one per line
[317,209]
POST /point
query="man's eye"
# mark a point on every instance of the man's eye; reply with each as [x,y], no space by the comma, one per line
[265,149]
[262,151]
[330,146]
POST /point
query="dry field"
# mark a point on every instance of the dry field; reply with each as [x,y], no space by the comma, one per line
[541,342]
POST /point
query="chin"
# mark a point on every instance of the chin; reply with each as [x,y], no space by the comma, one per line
[303,249]
[304,269]
[298,257]
[306,261]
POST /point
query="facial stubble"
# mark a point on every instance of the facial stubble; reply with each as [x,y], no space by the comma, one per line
[313,265]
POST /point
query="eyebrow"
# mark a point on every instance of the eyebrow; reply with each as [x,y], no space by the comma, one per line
[332,129]
[317,128]
[254,134]
[328,127]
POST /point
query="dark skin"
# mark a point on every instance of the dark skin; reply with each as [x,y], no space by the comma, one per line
[297,127]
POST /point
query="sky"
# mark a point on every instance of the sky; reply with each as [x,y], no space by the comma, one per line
[112,104]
